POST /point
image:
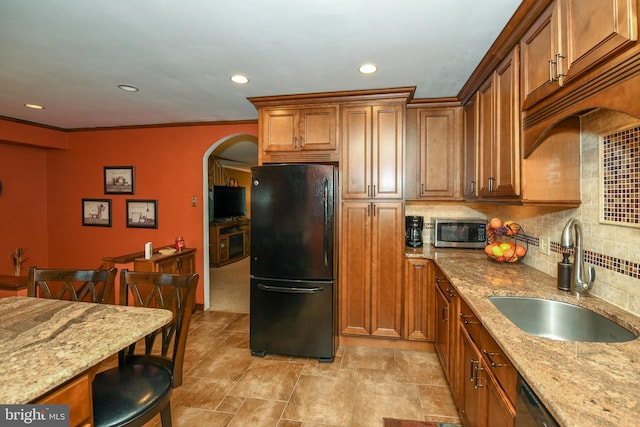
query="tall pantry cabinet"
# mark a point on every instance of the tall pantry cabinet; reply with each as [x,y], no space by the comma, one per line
[372,218]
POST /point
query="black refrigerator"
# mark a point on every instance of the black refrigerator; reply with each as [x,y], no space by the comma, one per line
[293,305]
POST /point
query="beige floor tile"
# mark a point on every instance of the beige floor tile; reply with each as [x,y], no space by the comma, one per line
[377,382]
[367,358]
[419,368]
[226,363]
[268,379]
[369,409]
[258,413]
[190,417]
[322,400]
[437,400]
[204,393]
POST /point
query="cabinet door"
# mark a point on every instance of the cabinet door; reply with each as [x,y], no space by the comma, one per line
[486,136]
[318,129]
[470,186]
[499,413]
[539,47]
[356,153]
[186,264]
[387,253]
[279,130]
[419,300]
[355,268]
[442,330]
[388,151]
[506,149]
[499,131]
[471,382]
[439,138]
[594,30]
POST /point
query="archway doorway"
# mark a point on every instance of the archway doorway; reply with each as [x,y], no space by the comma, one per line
[235,155]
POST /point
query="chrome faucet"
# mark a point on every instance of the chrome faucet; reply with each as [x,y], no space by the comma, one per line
[581,279]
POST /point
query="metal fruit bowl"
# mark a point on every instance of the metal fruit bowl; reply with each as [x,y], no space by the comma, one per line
[507,243]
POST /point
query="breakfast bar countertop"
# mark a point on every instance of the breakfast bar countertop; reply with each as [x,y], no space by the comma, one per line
[582,384]
[46,342]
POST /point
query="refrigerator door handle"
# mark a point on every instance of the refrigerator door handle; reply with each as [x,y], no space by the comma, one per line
[288,290]
[326,222]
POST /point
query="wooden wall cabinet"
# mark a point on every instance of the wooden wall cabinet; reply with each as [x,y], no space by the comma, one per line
[182,262]
[498,145]
[470,132]
[419,300]
[570,38]
[372,151]
[371,254]
[305,133]
[436,133]
[229,242]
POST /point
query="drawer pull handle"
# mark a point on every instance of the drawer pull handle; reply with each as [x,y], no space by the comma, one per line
[465,319]
[490,358]
[477,385]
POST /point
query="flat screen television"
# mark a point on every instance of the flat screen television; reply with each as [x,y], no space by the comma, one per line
[226,203]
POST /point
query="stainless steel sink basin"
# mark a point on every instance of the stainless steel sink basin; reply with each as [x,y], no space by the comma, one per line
[560,321]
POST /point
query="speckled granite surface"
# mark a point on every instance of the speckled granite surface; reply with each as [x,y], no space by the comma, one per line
[44,343]
[582,384]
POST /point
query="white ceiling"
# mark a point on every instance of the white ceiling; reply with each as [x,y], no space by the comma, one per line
[69,55]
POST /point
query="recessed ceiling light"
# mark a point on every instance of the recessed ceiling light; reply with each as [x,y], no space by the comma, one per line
[240,79]
[128,88]
[34,106]
[368,68]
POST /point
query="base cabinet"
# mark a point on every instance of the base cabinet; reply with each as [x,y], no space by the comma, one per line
[78,395]
[446,303]
[486,378]
[419,300]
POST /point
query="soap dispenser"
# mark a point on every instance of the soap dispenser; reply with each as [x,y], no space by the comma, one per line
[564,273]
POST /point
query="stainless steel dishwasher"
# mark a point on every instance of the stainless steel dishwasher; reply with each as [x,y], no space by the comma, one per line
[530,412]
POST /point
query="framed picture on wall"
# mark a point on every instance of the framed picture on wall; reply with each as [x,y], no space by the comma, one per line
[96,212]
[142,213]
[119,180]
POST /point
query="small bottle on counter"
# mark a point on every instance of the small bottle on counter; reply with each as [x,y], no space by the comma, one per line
[564,273]
[148,250]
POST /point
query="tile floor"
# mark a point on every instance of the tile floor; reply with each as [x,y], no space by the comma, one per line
[225,386]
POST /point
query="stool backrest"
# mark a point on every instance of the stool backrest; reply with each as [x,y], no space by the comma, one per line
[175,292]
[74,285]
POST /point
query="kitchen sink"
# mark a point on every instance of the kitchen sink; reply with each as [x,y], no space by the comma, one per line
[560,321]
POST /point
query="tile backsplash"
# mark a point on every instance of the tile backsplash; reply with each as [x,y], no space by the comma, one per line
[611,249]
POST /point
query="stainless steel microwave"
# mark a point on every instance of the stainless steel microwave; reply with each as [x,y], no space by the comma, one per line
[458,233]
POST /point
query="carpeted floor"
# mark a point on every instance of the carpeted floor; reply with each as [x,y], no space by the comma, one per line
[392,422]
[229,287]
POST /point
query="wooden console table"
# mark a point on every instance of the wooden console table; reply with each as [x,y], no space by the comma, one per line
[11,286]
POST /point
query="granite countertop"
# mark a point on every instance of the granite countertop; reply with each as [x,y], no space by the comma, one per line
[44,342]
[582,384]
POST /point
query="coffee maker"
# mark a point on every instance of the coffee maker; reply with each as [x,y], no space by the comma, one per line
[413,234]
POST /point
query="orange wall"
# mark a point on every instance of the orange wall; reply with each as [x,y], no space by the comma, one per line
[23,205]
[168,168]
